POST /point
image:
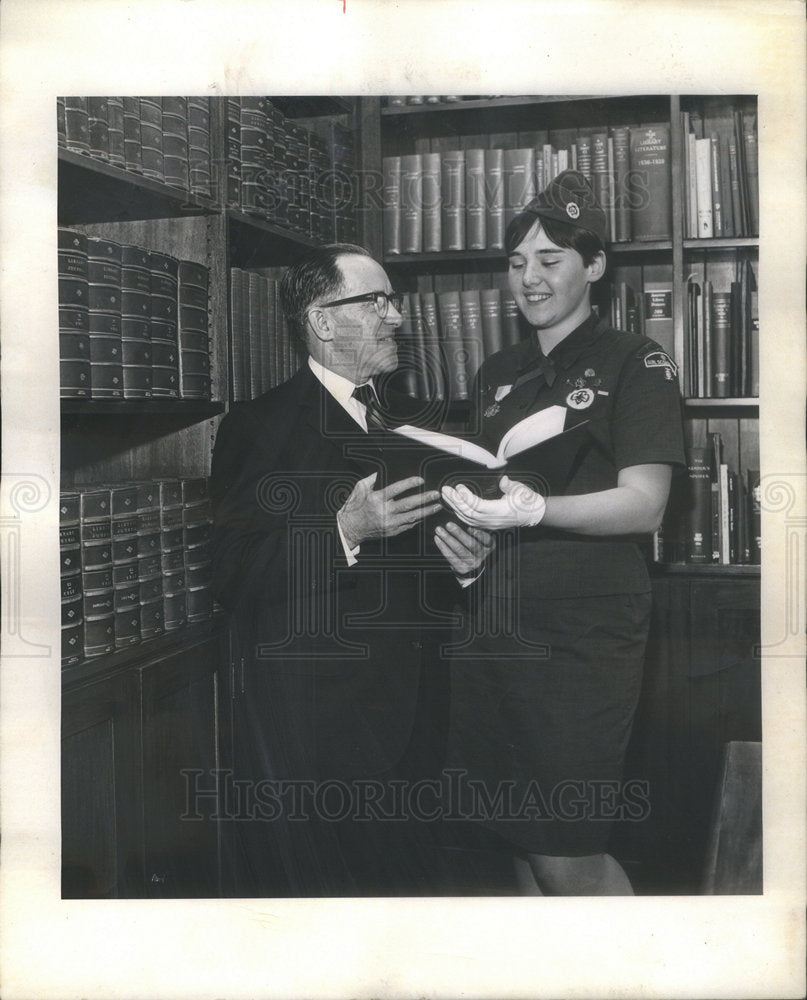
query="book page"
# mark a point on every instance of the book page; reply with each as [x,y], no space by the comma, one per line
[532,430]
[451,445]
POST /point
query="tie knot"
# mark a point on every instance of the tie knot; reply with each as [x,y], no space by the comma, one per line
[366,394]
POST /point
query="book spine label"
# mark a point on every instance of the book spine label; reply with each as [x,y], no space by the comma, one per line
[651,182]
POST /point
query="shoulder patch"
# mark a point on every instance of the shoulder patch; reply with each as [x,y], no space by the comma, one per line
[659,359]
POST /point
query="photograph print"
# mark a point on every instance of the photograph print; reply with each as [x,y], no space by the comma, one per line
[410,496]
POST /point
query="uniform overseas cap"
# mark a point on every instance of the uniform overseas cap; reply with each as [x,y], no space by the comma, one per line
[570,198]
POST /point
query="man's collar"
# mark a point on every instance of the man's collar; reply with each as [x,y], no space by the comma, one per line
[338,386]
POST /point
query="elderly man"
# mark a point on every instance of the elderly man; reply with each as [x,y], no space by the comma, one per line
[335,587]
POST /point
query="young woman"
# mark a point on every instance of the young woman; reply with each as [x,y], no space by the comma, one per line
[544,693]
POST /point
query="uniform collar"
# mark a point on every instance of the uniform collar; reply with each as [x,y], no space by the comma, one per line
[564,354]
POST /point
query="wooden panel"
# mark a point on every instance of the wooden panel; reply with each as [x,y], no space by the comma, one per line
[180,701]
[101,845]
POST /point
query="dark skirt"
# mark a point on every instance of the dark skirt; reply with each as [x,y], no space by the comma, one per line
[543,694]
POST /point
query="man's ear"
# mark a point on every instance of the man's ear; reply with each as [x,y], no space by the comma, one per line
[319,324]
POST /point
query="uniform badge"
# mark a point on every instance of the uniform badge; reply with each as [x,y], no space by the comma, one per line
[658,359]
[501,392]
[492,410]
[589,373]
[573,210]
[580,399]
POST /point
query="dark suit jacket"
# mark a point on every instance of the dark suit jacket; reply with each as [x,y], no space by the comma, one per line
[328,656]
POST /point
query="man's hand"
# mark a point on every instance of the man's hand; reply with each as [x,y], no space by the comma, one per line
[519,506]
[369,513]
[465,550]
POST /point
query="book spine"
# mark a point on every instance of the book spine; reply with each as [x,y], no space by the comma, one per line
[751,145]
[584,156]
[253,157]
[96,563]
[420,347]
[471,314]
[494,198]
[435,369]
[76,123]
[98,125]
[621,197]
[74,341]
[707,348]
[72,604]
[104,300]
[736,201]
[650,173]
[200,158]
[755,516]
[475,209]
[600,176]
[391,174]
[136,322]
[717,198]
[511,323]
[194,345]
[699,523]
[151,138]
[175,141]
[721,336]
[117,155]
[703,180]
[412,203]
[518,166]
[452,179]
[233,151]
[452,343]
[492,330]
[725,523]
[432,198]
[164,270]
[658,309]
[132,145]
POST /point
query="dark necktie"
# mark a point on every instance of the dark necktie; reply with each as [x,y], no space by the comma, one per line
[375,419]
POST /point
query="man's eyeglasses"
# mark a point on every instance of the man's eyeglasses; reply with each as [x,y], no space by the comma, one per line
[381,301]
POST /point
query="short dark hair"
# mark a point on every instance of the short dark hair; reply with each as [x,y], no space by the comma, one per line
[315,275]
[566,235]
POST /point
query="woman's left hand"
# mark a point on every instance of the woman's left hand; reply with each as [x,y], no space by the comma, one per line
[519,506]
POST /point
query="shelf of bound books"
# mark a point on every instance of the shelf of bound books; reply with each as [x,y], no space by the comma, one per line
[144,653]
[743,403]
[313,106]
[115,193]
[750,570]
[190,409]
[447,105]
[721,243]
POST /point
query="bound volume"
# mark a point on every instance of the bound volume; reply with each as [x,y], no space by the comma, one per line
[546,446]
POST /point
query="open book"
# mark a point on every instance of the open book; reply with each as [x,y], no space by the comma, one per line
[527,433]
[539,450]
